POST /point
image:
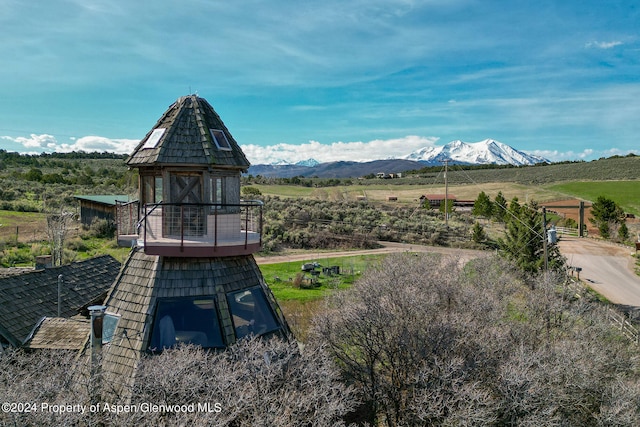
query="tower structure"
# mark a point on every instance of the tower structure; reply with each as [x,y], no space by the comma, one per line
[191,276]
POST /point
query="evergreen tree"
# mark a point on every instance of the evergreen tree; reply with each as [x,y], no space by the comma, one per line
[446,204]
[605,212]
[499,207]
[623,232]
[478,234]
[524,239]
[483,206]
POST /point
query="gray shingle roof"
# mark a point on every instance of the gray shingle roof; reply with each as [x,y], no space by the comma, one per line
[145,278]
[187,139]
[27,298]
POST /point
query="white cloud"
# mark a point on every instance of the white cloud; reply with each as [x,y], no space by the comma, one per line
[603,45]
[36,141]
[49,143]
[336,151]
[99,143]
[586,154]
[291,153]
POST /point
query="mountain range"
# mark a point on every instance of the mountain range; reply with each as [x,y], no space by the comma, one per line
[484,152]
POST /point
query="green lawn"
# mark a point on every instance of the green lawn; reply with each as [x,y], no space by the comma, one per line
[280,277]
[624,193]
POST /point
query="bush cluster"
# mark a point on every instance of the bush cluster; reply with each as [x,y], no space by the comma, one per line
[428,342]
[324,224]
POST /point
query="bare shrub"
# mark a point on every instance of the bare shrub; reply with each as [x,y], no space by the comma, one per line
[426,341]
[42,378]
[255,382]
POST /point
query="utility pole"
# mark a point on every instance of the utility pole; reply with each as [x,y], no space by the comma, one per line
[446,194]
[544,238]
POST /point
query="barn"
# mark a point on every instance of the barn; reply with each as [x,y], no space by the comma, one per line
[99,207]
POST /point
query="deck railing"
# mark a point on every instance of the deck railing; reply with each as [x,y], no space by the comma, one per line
[127,215]
[203,226]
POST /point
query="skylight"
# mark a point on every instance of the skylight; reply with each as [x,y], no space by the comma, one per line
[154,138]
[220,139]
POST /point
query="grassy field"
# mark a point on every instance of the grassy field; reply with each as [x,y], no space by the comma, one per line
[410,193]
[281,277]
[300,305]
[624,193]
[23,225]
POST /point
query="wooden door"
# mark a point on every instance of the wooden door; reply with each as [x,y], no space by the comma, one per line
[186,215]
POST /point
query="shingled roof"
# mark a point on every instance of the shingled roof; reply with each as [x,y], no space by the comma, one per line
[59,333]
[190,132]
[25,299]
[144,279]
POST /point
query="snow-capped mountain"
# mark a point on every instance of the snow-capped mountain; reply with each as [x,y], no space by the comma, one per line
[488,151]
[309,163]
[281,162]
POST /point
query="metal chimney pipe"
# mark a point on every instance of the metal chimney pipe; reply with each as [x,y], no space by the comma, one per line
[60,279]
[97,317]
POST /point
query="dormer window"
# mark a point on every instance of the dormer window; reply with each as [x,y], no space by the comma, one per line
[220,139]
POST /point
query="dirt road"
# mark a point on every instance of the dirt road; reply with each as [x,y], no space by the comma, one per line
[607,268]
[388,247]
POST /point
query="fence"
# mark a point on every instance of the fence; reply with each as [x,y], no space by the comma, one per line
[625,327]
[568,231]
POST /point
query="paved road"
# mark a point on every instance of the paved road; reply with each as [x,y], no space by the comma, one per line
[388,247]
[607,268]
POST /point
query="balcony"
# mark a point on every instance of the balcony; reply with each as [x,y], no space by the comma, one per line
[199,230]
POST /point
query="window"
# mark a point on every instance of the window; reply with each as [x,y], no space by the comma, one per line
[154,138]
[220,139]
[109,325]
[151,189]
[189,320]
[158,190]
[216,190]
[251,313]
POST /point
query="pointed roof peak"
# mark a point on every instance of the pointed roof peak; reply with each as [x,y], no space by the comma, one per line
[190,132]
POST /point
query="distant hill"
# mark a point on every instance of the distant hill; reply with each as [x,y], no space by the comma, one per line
[487,152]
[335,169]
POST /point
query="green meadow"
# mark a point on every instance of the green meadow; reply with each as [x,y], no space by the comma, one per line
[284,278]
[624,193]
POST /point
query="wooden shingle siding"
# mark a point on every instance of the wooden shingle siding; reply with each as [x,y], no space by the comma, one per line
[146,278]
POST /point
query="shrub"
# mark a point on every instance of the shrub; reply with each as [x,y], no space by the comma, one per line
[426,341]
[76,244]
[250,191]
[254,382]
[102,229]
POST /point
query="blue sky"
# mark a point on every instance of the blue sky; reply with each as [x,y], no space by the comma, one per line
[331,80]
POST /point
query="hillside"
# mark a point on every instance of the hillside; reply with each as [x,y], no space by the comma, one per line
[613,168]
[340,169]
